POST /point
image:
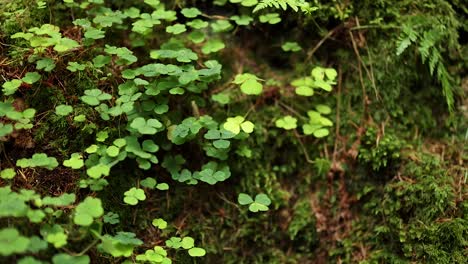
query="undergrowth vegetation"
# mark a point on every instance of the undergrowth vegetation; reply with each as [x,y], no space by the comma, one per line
[233,131]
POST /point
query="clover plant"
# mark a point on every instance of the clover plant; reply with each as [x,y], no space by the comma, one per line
[260,203]
[146,103]
[249,83]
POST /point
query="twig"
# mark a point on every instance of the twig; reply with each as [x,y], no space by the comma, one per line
[303,147]
[338,106]
[361,79]
[319,44]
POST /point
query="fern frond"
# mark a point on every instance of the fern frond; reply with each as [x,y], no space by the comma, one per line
[447,90]
[403,44]
[293,4]
[434,60]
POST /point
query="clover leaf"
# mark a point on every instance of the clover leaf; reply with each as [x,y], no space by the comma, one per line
[213,45]
[188,242]
[221,26]
[10,87]
[197,24]
[242,20]
[101,60]
[155,255]
[79,118]
[159,223]
[112,151]
[190,12]
[196,37]
[75,161]
[11,242]
[7,174]
[221,98]
[5,129]
[99,170]
[75,66]
[287,122]
[176,29]
[260,203]
[94,96]
[63,110]
[322,132]
[212,172]
[181,55]
[244,199]
[45,63]
[94,33]
[270,18]
[148,127]
[87,211]
[249,83]
[323,109]
[31,77]
[111,218]
[148,183]
[162,186]
[197,252]
[317,122]
[65,44]
[304,91]
[65,258]
[65,199]
[221,144]
[120,245]
[174,242]
[38,160]
[235,124]
[324,77]
[134,195]
[55,235]
[291,46]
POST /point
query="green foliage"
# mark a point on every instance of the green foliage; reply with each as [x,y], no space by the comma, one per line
[380,151]
[284,4]
[428,45]
[158,105]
